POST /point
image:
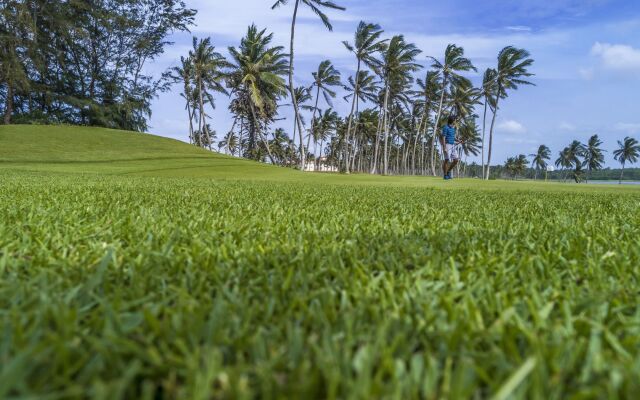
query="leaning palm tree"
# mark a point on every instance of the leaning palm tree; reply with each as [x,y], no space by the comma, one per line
[316,6]
[512,71]
[324,79]
[539,159]
[454,62]
[593,155]
[208,75]
[398,62]
[628,152]
[184,75]
[366,44]
[256,82]
[489,92]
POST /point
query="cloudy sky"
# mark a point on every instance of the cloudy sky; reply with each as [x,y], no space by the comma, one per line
[587,56]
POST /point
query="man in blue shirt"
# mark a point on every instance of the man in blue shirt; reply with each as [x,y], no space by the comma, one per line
[448,142]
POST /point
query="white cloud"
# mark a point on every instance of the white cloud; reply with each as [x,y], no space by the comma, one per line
[511,126]
[519,28]
[565,126]
[617,56]
[631,128]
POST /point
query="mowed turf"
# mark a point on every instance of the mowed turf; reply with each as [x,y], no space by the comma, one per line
[122,278]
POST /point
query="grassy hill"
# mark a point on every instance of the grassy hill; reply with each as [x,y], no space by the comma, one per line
[97,150]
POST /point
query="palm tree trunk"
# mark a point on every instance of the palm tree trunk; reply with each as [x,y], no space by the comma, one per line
[313,117]
[386,130]
[377,145]
[621,175]
[484,128]
[353,105]
[493,122]
[435,126]
[201,119]
[294,101]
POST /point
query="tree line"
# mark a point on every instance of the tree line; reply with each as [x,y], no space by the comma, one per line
[397,106]
[83,62]
[577,161]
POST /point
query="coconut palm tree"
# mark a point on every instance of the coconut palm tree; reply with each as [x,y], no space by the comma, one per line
[316,7]
[324,79]
[575,152]
[364,88]
[256,82]
[184,75]
[512,71]
[593,155]
[540,158]
[398,62]
[208,76]
[453,62]
[366,44]
[470,141]
[229,143]
[323,126]
[427,94]
[489,92]
[628,152]
[564,161]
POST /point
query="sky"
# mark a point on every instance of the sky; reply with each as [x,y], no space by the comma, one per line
[587,59]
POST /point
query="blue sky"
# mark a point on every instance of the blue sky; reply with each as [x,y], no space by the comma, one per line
[587,56]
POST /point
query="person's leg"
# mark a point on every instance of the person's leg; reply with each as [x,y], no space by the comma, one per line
[452,165]
[445,167]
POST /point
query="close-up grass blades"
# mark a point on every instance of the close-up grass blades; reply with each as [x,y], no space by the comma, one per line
[117,282]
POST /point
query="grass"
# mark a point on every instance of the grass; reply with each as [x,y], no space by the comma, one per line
[125,279]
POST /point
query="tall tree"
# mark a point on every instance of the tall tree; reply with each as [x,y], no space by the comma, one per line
[628,152]
[593,155]
[564,161]
[489,92]
[208,70]
[398,62]
[324,80]
[453,63]
[257,83]
[540,158]
[316,7]
[512,71]
[366,45]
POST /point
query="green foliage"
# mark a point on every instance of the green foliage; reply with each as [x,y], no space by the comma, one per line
[290,285]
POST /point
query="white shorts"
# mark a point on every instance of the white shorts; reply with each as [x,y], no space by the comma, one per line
[451,152]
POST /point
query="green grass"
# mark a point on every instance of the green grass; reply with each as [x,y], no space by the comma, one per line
[133,277]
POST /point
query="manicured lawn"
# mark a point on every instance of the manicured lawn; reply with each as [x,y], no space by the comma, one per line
[145,268]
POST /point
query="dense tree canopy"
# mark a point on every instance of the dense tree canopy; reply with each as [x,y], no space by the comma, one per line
[82,62]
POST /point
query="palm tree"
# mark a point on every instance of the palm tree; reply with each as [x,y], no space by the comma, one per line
[513,64]
[316,6]
[366,44]
[470,141]
[398,62]
[184,75]
[363,88]
[489,93]
[208,75]
[454,62]
[324,79]
[628,152]
[564,161]
[257,82]
[540,158]
[593,155]
[230,142]
[323,126]
[575,151]
[428,93]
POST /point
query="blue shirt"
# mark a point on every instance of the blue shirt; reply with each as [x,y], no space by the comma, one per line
[449,133]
